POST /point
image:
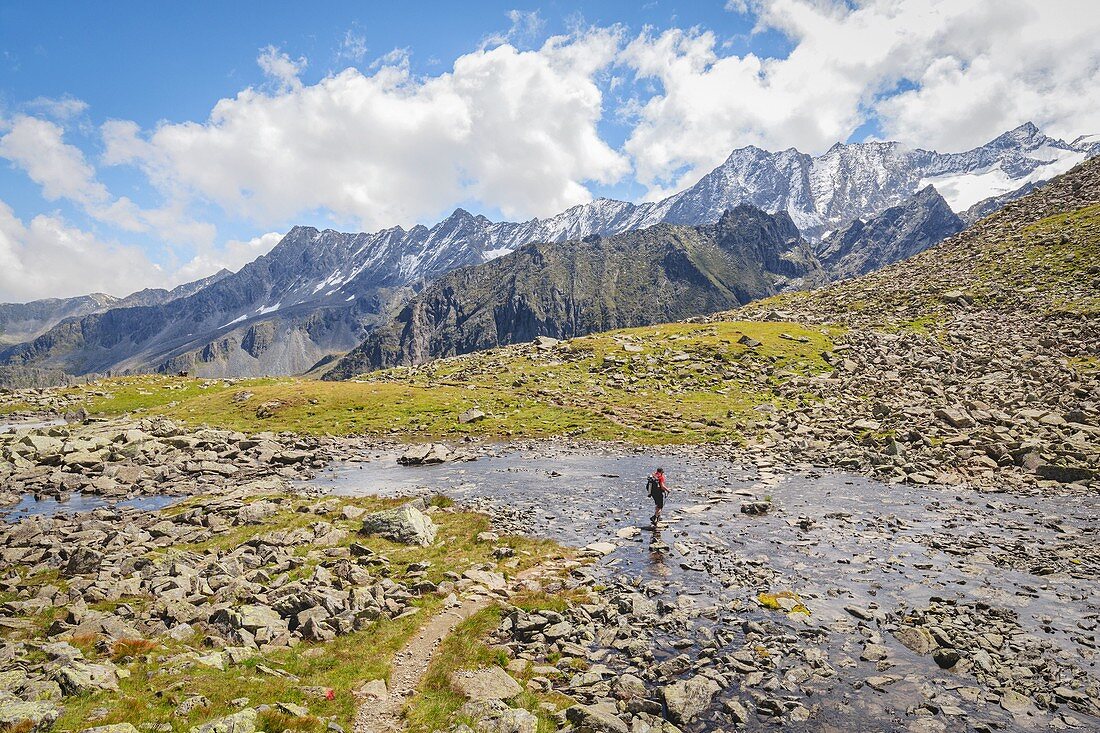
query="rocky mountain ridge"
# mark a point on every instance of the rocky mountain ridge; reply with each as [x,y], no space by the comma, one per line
[20,322]
[894,235]
[560,290]
[319,293]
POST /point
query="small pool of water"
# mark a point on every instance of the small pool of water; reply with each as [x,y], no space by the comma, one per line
[30,506]
[12,426]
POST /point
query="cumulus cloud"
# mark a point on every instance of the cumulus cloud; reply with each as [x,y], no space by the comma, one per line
[512,129]
[975,69]
[48,258]
[233,255]
[36,146]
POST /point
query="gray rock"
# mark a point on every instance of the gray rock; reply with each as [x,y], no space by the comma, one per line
[77,678]
[916,639]
[40,714]
[488,683]
[590,719]
[686,699]
[405,524]
[242,722]
[471,415]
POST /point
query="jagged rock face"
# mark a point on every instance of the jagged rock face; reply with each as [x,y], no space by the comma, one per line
[594,284]
[319,293]
[21,322]
[894,235]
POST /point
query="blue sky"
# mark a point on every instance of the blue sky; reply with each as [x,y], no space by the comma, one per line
[147,143]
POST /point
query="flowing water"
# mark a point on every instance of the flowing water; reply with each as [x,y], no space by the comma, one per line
[836,540]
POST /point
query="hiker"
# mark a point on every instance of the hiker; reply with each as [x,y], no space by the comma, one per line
[657,489]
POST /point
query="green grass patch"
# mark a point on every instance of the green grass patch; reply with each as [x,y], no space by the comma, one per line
[159,681]
[435,704]
[672,383]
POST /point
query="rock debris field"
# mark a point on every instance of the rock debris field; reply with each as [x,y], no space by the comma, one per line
[840,603]
[770,595]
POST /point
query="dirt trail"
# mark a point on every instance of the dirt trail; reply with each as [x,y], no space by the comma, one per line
[384,715]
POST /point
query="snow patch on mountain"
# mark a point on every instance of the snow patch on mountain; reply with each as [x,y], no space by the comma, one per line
[963,190]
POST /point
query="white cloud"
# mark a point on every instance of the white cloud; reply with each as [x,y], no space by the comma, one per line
[48,258]
[512,129]
[35,145]
[282,69]
[354,47]
[233,255]
[980,68]
[526,26]
[60,108]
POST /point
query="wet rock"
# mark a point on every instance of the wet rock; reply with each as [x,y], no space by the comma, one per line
[918,640]
[737,712]
[946,657]
[686,699]
[425,455]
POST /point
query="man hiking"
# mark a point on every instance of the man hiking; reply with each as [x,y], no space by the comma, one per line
[657,489]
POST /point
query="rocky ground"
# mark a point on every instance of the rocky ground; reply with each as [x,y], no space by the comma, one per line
[123,616]
[775,593]
[121,458]
[976,362]
[778,596]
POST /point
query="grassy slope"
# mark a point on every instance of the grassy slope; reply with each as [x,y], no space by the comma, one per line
[161,676]
[662,384]
[674,383]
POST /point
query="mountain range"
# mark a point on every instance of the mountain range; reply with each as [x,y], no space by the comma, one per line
[564,289]
[321,293]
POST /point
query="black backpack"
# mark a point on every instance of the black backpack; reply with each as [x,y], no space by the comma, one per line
[652,486]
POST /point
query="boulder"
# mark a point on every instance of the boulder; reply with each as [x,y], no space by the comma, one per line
[114,728]
[471,415]
[15,714]
[242,722]
[426,455]
[916,639]
[405,524]
[255,617]
[686,699]
[488,683]
[956,417]
[82,560]
[78,677]
[487,578]
[545,343]
[591,719]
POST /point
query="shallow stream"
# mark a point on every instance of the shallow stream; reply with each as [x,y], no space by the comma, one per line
[834,539]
